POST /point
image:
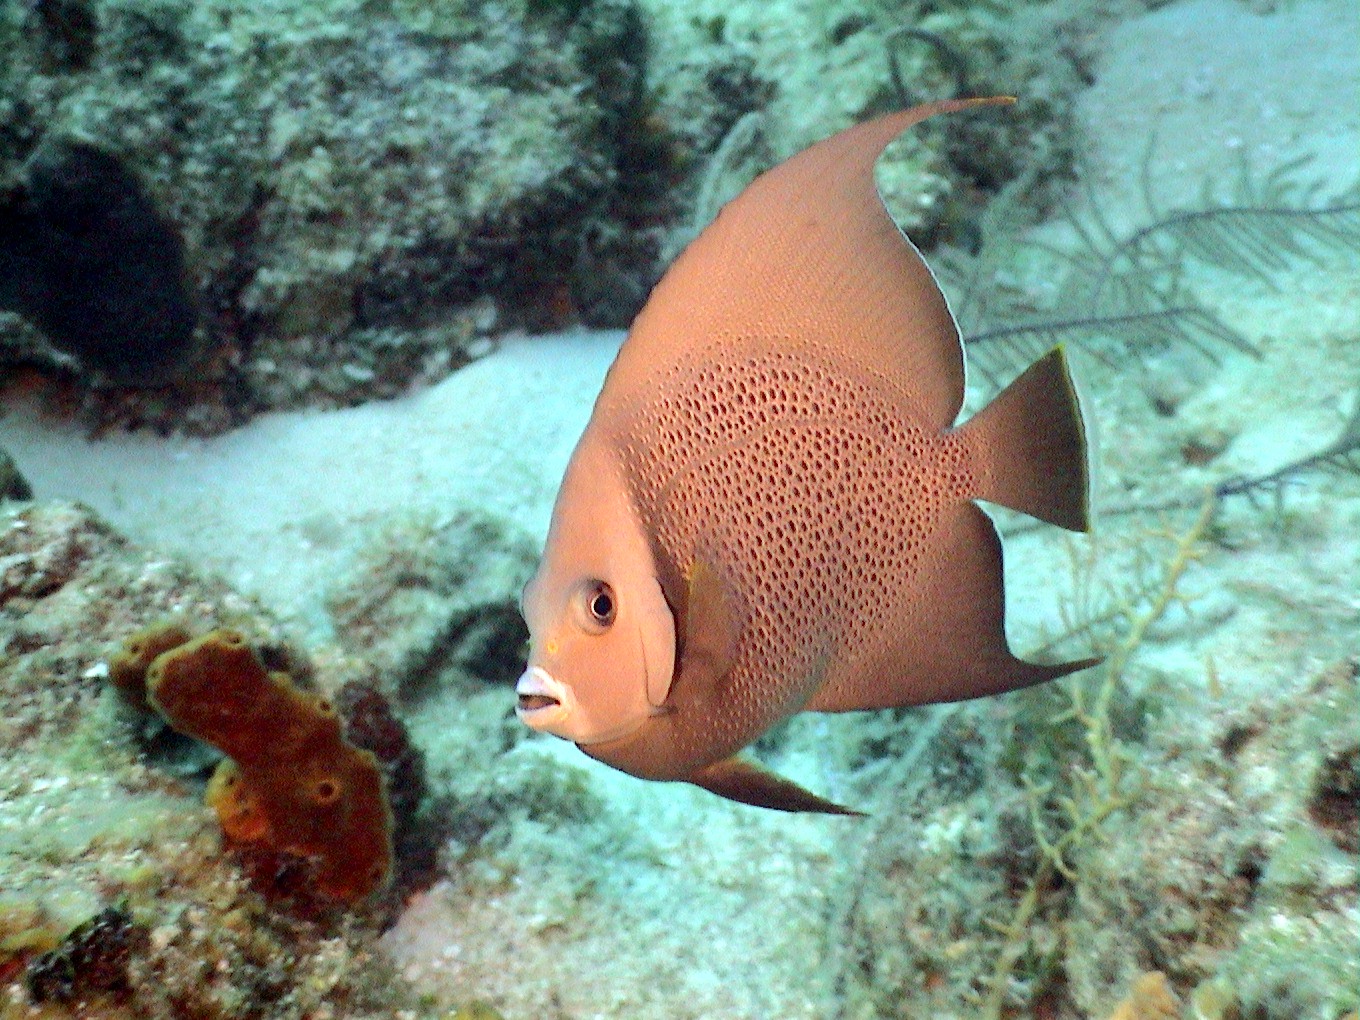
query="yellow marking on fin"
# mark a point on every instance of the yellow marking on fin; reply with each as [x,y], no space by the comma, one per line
[987,101]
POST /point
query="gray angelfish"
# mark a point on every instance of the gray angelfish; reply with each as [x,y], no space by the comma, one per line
[771,509]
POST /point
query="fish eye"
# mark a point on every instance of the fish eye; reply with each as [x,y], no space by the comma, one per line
[601,605]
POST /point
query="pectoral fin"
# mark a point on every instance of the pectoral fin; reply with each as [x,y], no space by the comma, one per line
[710,624]
[743,780]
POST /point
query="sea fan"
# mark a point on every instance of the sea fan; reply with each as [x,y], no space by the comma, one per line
[1126,296]
[1258,231]
[1340,456]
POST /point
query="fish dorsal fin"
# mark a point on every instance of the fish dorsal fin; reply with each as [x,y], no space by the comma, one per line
[710,624]
[743,780]
[807,255]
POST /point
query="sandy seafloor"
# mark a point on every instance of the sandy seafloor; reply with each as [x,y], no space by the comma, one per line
[672,904]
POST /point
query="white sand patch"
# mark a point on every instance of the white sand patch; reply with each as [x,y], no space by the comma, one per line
[1214,83]
[673,905]
[276,507]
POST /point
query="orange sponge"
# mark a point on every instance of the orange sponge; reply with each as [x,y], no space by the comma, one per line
[127,669]
[291,782]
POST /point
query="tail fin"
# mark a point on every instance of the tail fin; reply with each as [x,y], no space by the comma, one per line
[1032,446]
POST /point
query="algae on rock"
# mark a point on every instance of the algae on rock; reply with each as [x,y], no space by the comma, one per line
[349,184]
[89,819]
[428,595]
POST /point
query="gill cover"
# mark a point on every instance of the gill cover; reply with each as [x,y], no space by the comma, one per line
[601,635]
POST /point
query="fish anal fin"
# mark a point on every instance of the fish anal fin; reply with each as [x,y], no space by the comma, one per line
[944,638]
[743,780]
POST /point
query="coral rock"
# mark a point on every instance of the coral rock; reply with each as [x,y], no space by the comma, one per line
[91,960]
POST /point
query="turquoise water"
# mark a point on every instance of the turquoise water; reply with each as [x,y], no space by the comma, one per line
[303,310]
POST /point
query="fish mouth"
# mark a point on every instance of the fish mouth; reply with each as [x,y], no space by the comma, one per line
[535,702]
[541,701]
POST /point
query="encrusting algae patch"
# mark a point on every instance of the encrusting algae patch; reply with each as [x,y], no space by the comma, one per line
[291,782]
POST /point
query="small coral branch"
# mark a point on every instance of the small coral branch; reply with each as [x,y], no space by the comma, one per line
[1099,785]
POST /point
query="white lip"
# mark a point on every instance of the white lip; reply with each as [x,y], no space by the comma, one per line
[543,701]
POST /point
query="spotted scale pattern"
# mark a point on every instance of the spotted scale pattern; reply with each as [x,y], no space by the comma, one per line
[802,472]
